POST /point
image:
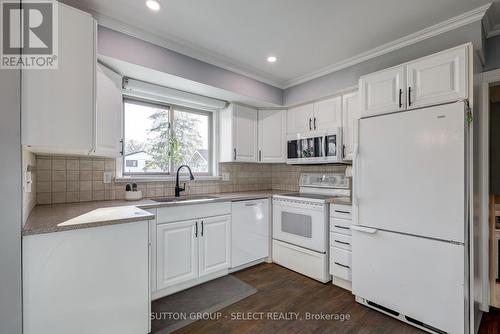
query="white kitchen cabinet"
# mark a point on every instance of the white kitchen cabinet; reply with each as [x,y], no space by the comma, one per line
[383,91]
[108,118]
[238,134]
[214,245]
[350,116]
[272,136]
[91,280]
[327,114]
[438,78]
[58,105]
[177,253]
[299,119]
[340,245]
[190,249]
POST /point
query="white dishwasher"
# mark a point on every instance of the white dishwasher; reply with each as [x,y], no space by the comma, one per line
[249,232]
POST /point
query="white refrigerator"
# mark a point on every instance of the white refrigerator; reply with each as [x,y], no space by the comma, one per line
[410,238]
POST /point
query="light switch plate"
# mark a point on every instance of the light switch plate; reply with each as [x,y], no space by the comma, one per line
[107,176]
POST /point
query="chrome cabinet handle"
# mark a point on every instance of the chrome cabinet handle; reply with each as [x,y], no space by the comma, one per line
[342,227]
[260,155]
[234,153]
[202,228]
[409,96]
[342,265]
[342,242]
[310,127]
[122,142]
[196,230]
[400,97]
[340,211]
[314,123]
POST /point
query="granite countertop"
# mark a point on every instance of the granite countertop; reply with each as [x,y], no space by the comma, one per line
[341,200]
[71,216]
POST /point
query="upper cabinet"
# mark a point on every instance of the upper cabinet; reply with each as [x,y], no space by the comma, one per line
[438,78]
[350,116]
[272,136]
[238,134]
[383,91]
[321,115]
[108,118]
[299,119]
[327,114]
[58,105]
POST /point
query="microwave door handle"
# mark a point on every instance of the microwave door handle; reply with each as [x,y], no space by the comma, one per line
[323,147]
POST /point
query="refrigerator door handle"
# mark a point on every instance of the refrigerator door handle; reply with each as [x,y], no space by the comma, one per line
[364,229]
[355,154]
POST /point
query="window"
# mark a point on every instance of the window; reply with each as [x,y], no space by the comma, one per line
[160,138]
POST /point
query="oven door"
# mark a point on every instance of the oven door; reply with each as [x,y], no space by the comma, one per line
[301,224]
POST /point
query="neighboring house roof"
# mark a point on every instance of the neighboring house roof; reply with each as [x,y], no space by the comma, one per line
[139,153]
[203,154]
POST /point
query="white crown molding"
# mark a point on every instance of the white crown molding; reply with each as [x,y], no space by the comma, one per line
[450,24]
[184,47]
[491,23]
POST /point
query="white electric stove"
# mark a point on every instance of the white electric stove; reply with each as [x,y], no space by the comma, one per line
[300,224]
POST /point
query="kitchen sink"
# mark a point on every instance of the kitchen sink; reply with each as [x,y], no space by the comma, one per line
[194,198]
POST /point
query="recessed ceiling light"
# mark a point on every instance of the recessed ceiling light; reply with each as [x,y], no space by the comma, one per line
[271,59]
[153,5]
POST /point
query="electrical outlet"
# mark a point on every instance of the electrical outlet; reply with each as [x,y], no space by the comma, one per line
[107,176]
[225,176]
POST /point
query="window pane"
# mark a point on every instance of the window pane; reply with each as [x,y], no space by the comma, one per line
[192,140]
[146,138]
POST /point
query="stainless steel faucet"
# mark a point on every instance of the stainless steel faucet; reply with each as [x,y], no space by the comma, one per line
[178,189]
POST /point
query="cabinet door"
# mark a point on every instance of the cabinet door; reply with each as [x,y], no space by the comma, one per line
[383,91]
[272,135]
[245,133]
[177,253]
[438,78]
[214,245]
[328,114]
[108,113]
[299,119]
[58,105]
[350,116]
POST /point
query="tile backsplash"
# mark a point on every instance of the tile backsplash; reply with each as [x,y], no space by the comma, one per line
[67,179]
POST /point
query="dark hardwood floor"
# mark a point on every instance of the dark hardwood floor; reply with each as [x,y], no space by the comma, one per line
[282,290]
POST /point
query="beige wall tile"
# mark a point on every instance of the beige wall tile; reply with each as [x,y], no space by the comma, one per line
[59,197]
[97,175]
[72,186]
[73,164]
[73,175]
[98,165]
[85,186]
[43,198]
[85,175]
[43,164]
[58,186]
[97,185]
[58,175]
[44,175]
[98,195]
[58,164]
[85,196]
[44,187]
[109,165]
[72,197]
[85,164]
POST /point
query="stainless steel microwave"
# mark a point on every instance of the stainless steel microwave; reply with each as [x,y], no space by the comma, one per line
[314,147]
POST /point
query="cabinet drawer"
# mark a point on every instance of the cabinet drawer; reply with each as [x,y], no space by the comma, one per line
[340,240]
[341,211]
[340,263]
[339,225]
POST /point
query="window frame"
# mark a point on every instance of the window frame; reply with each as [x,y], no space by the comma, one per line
[171,116]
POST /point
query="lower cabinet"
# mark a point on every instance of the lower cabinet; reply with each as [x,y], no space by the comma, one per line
[191,252]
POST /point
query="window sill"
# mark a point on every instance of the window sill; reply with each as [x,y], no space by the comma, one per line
[126,179]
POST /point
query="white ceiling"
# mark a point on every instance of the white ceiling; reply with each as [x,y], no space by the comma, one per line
[306,35]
